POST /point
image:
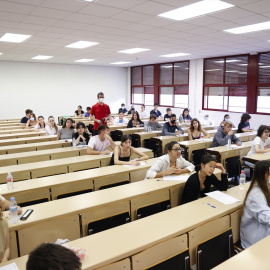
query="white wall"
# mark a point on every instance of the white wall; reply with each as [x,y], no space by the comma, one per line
[195,101]
[57,89]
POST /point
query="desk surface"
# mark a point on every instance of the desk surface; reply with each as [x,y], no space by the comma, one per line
[257,157]
[22,135]
[223,149]
[254,257]
[27,140]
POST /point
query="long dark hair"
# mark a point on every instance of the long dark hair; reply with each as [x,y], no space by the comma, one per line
[185,110]
[191,124]
[43,121]
[204,160]
[245,117]
[170,145]
[138,117]
[258,177]
[261,129]
[124,138]
[65,123]
[225,116]
[55,126]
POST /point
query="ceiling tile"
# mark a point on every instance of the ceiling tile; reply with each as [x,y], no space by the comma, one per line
[152,8]
[232,13]
[15,7]
[50,13]
[101,11]
[112,23]
[123,4]
[258,6]
[38,20]
[68,5]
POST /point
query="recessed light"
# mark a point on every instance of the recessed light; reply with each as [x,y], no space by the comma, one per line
[15,38]
[1,53]
[84,60]
[175,54]
[134,50]
[195,10]
[88,0]
[120,63]
[82,44]
[249,28]
[42,57]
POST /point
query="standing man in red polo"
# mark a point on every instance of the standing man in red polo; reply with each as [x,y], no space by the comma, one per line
[100,112]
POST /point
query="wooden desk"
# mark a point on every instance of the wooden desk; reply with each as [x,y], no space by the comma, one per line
[27,140]
[138,138]
[246,136]
[221,152]
[124,131]
[11,131]
[256,157]
[254,257]
[33,147]
[11,127]
[21,135]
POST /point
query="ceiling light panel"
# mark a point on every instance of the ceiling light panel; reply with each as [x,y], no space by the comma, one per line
[134,50]
[81,44]
[84,60]
[15,38]
[249,28]
[42,57]
[120,63]
[175,54]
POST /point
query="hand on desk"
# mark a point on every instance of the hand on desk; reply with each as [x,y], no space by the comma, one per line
[134,162]
[106,152]
[239,144]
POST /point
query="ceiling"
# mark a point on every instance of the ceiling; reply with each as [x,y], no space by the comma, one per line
[124,24]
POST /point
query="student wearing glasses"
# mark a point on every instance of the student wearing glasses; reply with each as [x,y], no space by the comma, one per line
[172,163]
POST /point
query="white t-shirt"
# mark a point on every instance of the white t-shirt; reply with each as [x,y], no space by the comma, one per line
[50,131]
[143,114]
[258,141]
[97,145]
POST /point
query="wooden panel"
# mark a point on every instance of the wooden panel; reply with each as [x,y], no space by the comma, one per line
[111,179]
[235,224]
[8,162]
[138,175]
[103,212]
[159,252]
[121,265]
[49,171]
[20,149]
[50,231]
[25,160]
[65,154]
[17,176]
[146,200]
[176,194]
[105,162]
[84,165]
[71,187]
[13,245]
[205,232]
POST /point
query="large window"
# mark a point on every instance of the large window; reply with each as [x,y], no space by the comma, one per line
[173,84]
[225,83]
[142,81]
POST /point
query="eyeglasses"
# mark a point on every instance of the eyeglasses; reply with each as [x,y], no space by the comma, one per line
[177,150]
[266,131]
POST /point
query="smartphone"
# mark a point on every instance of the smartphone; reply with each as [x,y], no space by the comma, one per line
[26,214]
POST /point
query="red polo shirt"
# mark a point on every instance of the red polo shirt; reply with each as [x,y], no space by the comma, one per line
[100,112]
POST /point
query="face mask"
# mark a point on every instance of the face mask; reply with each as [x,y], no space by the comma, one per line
[123,107]
[101,100]
[173,121]
[227,119]
[32,119]
[206,118]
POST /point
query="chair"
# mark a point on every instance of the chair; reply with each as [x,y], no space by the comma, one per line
[70,194]
[25,204]
[215,250]
[152,144]
[108,223]
[233,167]
[197,156]
[114,185]
[153,209]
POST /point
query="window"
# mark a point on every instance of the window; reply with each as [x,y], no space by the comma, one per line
[263,100]
[225,83]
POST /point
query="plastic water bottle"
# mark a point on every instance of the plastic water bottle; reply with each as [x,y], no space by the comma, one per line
[242,180]
[202,139]
[13,210]
[73,143]
[229,144]
[149,129]
[9,181]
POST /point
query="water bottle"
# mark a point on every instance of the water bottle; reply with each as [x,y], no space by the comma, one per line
[73,143]
[13,210]
[202,139]
[242,180]
[229,144]
[149,129]
[9,181]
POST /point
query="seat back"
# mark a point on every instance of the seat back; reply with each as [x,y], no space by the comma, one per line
[215,250]
[233,166]
[65,195]
[114,185]
[152,144]
[197,156]
[153,209]
[24,204]
[108,223]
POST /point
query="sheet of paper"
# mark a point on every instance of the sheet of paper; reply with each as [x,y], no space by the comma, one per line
[128,165]
[11,266]
[222,197]
[81,146]
[176,177]
[235,146]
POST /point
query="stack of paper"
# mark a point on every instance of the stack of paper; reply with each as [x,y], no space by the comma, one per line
[11,266]
[222,197]
[176,177]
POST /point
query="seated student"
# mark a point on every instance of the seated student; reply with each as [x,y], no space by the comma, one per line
[169,128]
[81,136]
[135,121]
[131,110]
[167,116]
[98,144]
[121,120]
[26,117]
[244,125]
[32,121]
[195,130]
[54,257]
[207,121]
[87,113]
[156,111]
[123,108]
[200,182]
[143,112]
[123,152]
[255,220]
[51,127]
[40,126]
[67,130]
[4,238]
[223,134]
[152,123]
[171,163]
[185,117]
[226,119]
[79,112]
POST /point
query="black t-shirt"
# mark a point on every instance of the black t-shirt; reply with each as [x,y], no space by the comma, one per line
[24,120]
[166,116]
[82,112]
[82,142]
[243,126]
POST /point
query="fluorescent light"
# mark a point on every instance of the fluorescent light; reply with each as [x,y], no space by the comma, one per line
[233,71]
[264,66]
[1,53]
[215,69]
[196,9]
[249,28]
[242,64]
[228,61]
[134,50]
[175,54]
[120,63]
[82,44]
[42,57]
[84,60]
[16,38]
[87,0]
